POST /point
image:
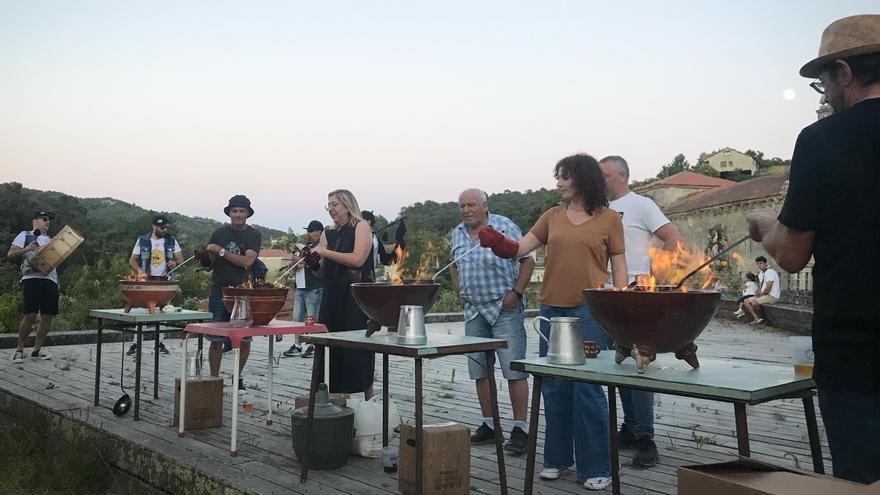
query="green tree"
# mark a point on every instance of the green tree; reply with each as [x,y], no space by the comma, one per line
[678,164]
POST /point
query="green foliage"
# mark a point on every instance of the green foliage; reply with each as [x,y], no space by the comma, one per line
[10,310]
[27,466]
[447,302]
[677,165]
[703,168]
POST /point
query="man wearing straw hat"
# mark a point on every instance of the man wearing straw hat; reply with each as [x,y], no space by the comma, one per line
[830,214]
[39,291]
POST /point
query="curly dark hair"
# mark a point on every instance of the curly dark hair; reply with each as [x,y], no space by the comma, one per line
[587,177]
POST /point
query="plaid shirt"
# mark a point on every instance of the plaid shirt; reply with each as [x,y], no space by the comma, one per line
[484,279]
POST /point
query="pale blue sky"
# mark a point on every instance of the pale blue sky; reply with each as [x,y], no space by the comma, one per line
[179,105]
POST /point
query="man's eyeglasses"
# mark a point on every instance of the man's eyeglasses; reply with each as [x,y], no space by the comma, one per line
[45,219]
[162,227]
[819,86]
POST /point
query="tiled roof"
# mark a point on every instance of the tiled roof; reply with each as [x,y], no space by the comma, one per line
[274,253]
[689,179]
[761,187]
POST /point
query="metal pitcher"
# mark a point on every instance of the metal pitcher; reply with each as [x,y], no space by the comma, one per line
[566,340]
[411,326]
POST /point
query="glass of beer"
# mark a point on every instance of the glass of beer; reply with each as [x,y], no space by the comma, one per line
[802,355]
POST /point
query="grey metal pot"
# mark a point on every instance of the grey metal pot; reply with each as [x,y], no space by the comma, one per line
[566,340]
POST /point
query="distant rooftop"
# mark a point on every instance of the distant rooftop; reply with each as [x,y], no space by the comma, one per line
[761,187]
[688,179]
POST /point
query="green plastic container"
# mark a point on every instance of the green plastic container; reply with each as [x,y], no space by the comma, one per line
[332,432]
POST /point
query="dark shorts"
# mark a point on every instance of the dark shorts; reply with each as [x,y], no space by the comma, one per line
[40,296]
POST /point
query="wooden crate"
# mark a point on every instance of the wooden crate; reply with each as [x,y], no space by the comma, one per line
[204,402]
[446,462]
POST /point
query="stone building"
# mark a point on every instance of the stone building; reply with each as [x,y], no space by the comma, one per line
[676,187]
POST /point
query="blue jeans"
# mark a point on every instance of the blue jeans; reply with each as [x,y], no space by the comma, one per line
[576,413]
[306,302]
[638,411]
[508,326]
[852,424]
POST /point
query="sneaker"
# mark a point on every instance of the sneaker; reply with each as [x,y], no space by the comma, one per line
[41,354]
[483,434]
[18,357]
[518,441]
[646,453]
[626,439]
[132,350]
[309,351]
[241,387]
[739,313]
[294,351]
[597,483]
[161,348]
[759,321]
[552,473]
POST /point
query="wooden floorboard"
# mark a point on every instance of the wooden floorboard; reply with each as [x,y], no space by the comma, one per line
[688,431]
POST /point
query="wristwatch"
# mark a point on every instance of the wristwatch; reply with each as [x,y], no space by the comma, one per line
[518,293]
[222,252]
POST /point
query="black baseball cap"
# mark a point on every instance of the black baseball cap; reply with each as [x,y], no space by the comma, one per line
[368,216]
[315,226]
[161,220]
[43,213]
[760,259]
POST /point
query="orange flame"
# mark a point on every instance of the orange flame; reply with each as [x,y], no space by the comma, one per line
[669,267]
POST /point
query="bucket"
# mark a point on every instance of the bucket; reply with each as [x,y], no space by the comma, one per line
[331,435]
[802,355]
[61,246]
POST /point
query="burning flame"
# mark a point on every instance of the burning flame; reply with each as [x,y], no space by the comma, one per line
[669,267]
[134,277]
[397,274]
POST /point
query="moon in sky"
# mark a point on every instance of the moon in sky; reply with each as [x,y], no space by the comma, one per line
[788,94]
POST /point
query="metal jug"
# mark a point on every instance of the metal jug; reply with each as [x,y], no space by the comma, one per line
[566,340]
[411,326]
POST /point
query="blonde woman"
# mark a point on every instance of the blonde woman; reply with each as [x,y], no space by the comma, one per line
[345,249]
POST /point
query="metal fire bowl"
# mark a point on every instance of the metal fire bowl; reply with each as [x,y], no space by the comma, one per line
[381,302]
[149,294]
[663,321]
[266,302]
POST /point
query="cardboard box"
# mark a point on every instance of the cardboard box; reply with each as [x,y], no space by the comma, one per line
[446,462]
[204,402]
[335,399]
[750,477]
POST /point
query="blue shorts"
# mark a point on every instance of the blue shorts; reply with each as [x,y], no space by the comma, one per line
[218,309]
[508,326]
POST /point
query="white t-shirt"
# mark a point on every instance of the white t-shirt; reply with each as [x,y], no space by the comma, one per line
[300,276]
[157,255]
[750,289]
[641,218]
[34,273]
[770,275]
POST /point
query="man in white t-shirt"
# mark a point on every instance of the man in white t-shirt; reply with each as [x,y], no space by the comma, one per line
[152,257]
[307,298]
[642,220]
[39,290]
[769,292]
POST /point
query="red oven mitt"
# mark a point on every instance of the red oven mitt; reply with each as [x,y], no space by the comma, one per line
[310,258]
[501,246]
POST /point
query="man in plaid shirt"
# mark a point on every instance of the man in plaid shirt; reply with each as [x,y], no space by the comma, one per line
[492,291]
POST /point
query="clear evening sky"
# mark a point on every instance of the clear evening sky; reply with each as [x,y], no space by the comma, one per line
[179,105]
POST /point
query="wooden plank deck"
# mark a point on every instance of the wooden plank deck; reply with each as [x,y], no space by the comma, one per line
[688,431]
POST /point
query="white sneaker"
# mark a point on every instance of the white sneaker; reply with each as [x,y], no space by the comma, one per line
[41,354]
[18,357]
[597,483]
[552,473]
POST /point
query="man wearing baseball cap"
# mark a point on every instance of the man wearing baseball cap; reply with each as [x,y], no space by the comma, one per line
[830,214]
[39,290]
[153,255]
[307,299]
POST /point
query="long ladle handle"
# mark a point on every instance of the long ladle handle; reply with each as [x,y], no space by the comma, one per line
[462,255]
[713,258]
[180,265]
[291,267]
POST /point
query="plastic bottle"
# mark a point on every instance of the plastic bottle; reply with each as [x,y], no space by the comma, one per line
[389,458]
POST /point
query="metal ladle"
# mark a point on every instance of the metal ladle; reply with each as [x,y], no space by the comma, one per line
[721,253]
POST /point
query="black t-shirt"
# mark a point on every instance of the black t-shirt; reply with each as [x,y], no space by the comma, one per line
[236,242]
[833,191]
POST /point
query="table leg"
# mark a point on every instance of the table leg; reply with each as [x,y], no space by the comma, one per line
[317,365]
[420,447]
[813,431]
[533,435]
[385,433]
[156,364]
[137,373]
[182,408]
[612,427]
[98,361]
[496,422]
[236,358]
[742,429]
[271,366]
[199,349]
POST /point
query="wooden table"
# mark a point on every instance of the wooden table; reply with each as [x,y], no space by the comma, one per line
[138,317]
[738,382]
[235,334]
[386,344]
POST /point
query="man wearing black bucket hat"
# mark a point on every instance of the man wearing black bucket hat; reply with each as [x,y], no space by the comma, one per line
[233,250]
[153,255]
[830,214]
[39,291]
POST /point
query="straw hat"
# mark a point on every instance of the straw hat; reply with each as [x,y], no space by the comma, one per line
[847,37]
